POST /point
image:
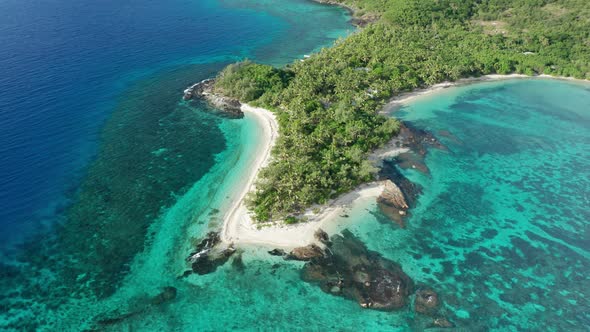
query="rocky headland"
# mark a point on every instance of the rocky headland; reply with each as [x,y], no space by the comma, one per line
[356,19]
[208,255]
[205,90]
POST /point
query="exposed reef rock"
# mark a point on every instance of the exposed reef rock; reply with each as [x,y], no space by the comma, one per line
[417,141]
[358,21]
[392,203]
[167,294]
[400,194]
[410,190]
[204,90]
[441,322]
[277,252]
[348,269]
[393,196]
[322,236]
[208,255]
[306,253]
[427,301]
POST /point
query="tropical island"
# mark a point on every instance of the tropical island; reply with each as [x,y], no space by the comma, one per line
[314,188]
[327,133]
[328,105]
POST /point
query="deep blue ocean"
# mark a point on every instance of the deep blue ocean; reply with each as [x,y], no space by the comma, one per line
[64,64]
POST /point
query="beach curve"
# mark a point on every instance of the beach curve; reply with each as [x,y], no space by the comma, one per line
[238,210]
[240,228]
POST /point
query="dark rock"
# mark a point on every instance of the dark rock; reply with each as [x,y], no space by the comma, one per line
[442,322]
[208,256]
[392,203]
[412,160]
[205,245]
[210,262]
[313,272]
[350,270]
[306,253]
[427,301]
[277,252]
[400,194]
[418,140]
[204,90]
[168,294]
[393,214]
[238,263]
[197,90]
[389,171]
[389,289]
[322,236]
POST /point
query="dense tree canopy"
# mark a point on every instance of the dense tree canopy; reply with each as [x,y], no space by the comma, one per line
[327,105]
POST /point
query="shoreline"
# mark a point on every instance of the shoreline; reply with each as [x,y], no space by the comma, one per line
[239,228]
[237,210]
[402,99]
[356,21]
[287,237]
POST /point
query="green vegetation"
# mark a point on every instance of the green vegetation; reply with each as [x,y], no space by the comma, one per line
[327,106]
[290,220]
[248,81]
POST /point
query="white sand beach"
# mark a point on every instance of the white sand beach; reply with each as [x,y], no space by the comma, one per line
[240,229]
[404,98]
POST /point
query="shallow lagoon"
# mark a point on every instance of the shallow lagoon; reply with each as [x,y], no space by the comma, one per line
[502,226]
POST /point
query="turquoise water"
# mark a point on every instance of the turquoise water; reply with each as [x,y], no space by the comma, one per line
[107,174]
[501,229]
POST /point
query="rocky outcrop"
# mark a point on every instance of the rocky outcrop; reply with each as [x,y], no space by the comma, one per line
[392,203]
[389,171]
[389,289]
[419,140]
[204,90]
[393,196]
[277,252]
[197,90]
[321,236]
[356,20]
[306,253]
[426,301]
[350,270]
[209,255]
